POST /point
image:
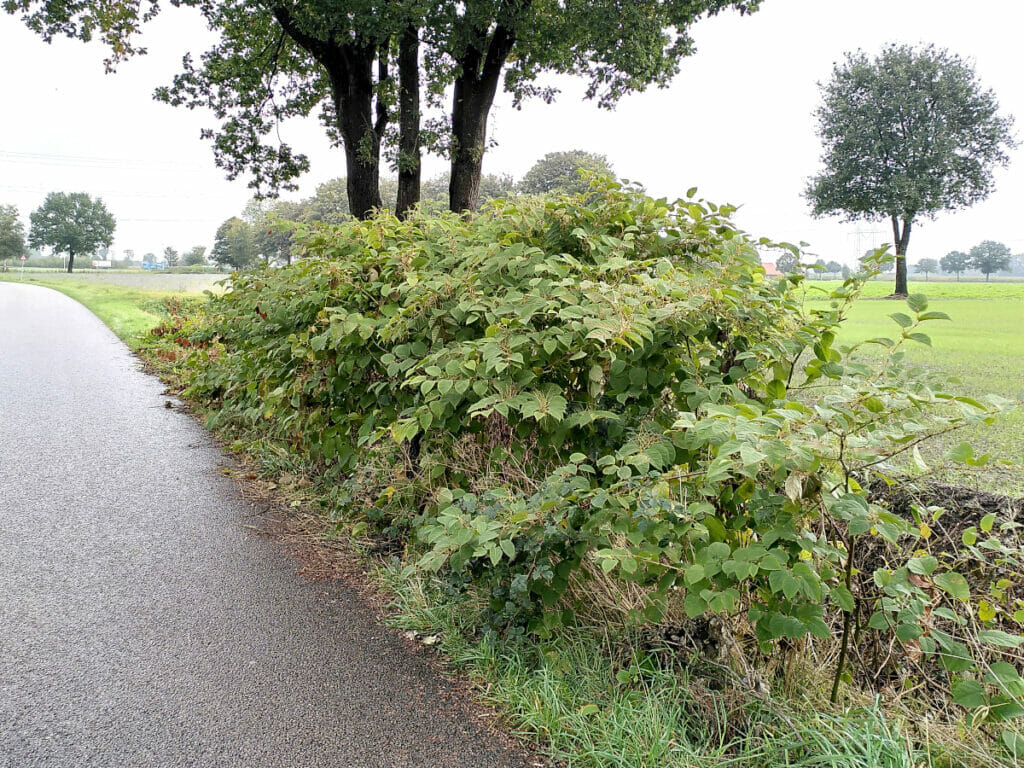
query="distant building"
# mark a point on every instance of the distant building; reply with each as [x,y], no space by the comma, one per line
[102,263]
[770,270]
[154,265]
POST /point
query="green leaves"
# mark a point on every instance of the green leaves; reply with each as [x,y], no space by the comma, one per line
[530,399]
[953,584]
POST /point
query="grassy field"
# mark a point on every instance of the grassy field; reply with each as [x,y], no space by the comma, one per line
[130,311]
[982,347]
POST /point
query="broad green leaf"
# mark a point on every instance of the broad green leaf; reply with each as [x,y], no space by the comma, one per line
[969,694]
[954,584]
[999,638]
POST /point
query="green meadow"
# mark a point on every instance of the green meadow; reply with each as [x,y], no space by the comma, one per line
[981,347]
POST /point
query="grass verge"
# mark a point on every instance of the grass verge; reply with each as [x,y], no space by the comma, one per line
[131,313]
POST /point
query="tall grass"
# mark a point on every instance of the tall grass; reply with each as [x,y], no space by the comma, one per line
[593,701]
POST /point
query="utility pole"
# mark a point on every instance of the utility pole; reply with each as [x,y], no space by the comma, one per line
[872,233]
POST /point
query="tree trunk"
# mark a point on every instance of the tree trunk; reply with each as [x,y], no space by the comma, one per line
[71,262]
[408,122]
[480,72]
[901,238]
[469,136]
[349,67]
[350,70]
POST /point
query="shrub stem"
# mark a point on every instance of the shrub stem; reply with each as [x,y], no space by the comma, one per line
[847,622]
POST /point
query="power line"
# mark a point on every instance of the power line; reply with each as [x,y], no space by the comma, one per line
[84,161]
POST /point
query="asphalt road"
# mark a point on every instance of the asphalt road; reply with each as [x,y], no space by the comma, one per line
[141,623]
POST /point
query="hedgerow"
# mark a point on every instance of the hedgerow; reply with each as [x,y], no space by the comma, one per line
[607,390]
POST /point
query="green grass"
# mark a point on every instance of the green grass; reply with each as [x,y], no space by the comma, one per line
[593,702]
[982,347]
[131,313]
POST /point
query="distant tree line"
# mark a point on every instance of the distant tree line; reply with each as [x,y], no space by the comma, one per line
[987,257]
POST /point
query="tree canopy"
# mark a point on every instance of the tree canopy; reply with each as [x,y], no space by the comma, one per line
[955,262]
[906,135]
[194,257]
[12,234]
[927,267]
[72,223]
[358,66]
[233,244]
[989,256]
[787,262]
[559,172]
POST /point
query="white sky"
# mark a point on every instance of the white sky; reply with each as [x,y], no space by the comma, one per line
[737,123]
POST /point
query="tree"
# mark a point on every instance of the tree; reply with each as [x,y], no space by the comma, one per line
[195,256]
[955,262]
[833,267]
[927,267]
[559,172]
[434,196]
[233,244]
[12,234]
[73,224]
[149,258]
[989,256]
[787,263]
[354,62]
[906,136]
[171,256]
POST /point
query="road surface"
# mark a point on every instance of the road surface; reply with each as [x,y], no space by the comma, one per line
[141,623]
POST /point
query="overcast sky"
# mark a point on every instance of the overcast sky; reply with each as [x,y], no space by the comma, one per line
[737,123]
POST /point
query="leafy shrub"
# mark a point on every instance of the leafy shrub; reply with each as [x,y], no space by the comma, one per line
[559,392]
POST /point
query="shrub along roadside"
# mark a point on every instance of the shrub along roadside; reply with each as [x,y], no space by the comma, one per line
[600,409]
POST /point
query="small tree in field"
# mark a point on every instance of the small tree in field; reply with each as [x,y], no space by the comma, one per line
[71,223]
[906,135]
[955,262]
[927,267]
[171,256]
[989,256]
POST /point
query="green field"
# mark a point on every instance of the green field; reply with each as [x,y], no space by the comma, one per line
[982,347]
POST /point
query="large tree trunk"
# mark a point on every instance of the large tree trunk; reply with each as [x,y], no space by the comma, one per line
[71,261]
[349,67]
[473,97]
[469,136]
[408,122]
[901,237]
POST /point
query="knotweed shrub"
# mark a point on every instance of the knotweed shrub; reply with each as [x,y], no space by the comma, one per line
[607,387]
[537,329]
